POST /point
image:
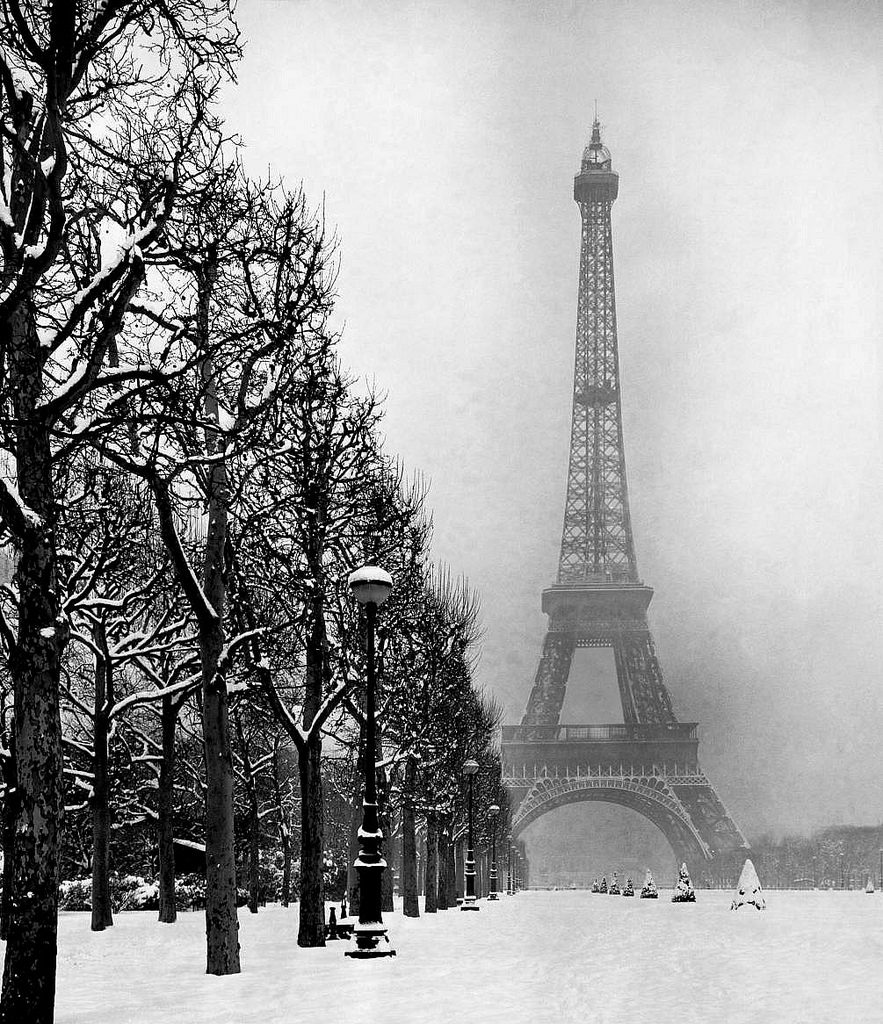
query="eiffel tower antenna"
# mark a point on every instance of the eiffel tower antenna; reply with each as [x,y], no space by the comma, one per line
[649,761]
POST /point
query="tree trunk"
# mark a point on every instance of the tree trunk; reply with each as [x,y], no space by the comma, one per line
[35,667]
[102,912]
[444,865]
[221,921]
[311,928]
[387,879]
[354,825]
[8,837]
[430,871]
[284,834]
[165,808]
[410,904]
[286,865]
[254,850]
[451,878]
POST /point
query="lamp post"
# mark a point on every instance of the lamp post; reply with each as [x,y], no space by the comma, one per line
[370,586]
[469,770]
[493,811]
[509,867]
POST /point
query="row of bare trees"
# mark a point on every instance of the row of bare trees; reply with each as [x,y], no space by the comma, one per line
[187,477]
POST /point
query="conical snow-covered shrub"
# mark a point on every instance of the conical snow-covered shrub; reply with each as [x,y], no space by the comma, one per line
[649,892]
[629,889]
[614,889]
[749,892]
[684,889]
[870,886]
[603,886]
[595,886]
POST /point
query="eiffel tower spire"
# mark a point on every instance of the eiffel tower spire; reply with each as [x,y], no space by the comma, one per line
[596,543]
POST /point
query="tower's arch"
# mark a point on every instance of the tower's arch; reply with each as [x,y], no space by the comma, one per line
[648,796]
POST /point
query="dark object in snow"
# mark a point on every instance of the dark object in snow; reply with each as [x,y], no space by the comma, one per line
[343,906]
[749,892]
[331,927]
[649,892]
[603,886]
[629,889]
[614,889]
[684,889]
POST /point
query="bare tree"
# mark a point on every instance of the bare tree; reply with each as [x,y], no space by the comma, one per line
[71,77]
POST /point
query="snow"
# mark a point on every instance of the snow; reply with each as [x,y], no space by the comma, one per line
[748,891]
[532,958]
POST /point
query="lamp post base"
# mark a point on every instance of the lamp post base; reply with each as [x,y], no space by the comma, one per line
[469,904]
[492,896]
[371,941]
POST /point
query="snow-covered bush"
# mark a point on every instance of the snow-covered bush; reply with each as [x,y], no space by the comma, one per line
[603,886]
[749,892]
[629,889]
[649,892]
[614,889]
[134,893]
[75,894]
[684,889]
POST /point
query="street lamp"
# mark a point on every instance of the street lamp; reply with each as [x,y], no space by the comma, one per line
[370,586]
[509,865]
[469,770]
[493,811]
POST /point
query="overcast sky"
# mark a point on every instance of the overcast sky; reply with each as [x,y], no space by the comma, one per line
[444,138]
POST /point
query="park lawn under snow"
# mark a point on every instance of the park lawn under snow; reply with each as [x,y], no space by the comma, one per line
[537,957]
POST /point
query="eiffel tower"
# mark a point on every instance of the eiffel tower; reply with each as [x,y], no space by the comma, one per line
[649,762]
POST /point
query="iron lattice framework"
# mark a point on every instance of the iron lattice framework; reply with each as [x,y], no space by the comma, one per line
[596,543]
[600,601]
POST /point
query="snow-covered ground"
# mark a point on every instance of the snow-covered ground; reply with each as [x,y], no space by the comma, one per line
[536,958]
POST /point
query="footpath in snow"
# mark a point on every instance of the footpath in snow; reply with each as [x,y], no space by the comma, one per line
[534,958]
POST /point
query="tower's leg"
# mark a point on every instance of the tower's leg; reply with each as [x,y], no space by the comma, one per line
[644,696]
[547,695]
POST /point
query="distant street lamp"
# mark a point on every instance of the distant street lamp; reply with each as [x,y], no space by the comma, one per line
[469,770]
[371,587]
[509,868]
[493,811]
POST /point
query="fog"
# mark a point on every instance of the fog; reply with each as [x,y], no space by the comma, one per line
[443,139]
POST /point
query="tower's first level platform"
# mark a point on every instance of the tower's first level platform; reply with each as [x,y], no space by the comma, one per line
[614,744]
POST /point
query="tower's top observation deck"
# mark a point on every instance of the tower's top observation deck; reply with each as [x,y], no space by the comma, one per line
[596,181]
